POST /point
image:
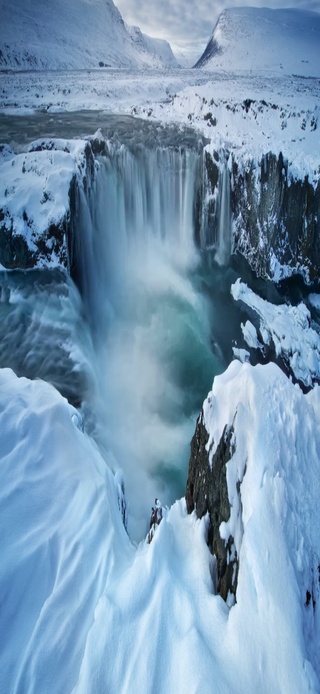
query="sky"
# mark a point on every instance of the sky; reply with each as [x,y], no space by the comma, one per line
[188,24]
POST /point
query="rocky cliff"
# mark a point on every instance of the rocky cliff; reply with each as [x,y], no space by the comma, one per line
[207,493]
[39,203]
[275,217]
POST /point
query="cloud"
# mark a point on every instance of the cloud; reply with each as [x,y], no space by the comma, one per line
[187,20]
[190,24]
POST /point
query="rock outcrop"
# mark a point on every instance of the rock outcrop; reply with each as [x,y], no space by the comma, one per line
[275,218]
[39,203]
[207,492]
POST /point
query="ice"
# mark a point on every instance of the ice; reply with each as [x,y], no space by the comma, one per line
[250,334]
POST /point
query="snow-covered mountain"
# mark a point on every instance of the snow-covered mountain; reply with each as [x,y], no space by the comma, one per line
[77,34]
[250,38]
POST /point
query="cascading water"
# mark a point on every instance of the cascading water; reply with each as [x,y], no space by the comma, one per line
[214,208]
[223,244]
[150,319]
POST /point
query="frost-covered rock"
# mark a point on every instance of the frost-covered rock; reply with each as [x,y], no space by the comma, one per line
[269,432]
[38,202]
[276,218]
[288,329]
[275,215]
[207,492]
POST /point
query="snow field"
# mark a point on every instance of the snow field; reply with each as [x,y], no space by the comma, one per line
[264,39]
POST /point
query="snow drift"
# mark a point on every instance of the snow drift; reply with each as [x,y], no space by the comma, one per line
[258,39]
[83,611]
[74,35]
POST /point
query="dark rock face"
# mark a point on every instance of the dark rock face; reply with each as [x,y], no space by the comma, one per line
[206,202]
[15,252]
[211,50]
[207,492]
[59,240]
[275,217]
[155,520]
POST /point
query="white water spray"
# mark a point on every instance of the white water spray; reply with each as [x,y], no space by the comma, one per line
[223,243]
[150,321]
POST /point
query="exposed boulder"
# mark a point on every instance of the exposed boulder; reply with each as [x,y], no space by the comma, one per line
[157,513]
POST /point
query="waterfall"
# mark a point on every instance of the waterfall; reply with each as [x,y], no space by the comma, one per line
[214,208]
[223,243]
[150,320]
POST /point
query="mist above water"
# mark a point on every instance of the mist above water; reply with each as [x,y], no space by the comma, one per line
[150,319]
[140,345]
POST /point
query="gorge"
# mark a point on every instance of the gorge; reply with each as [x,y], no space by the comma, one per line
[153,225]
[142,259]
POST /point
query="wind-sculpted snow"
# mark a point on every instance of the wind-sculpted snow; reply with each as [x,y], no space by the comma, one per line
[82,611]
[74,35]
[61,537]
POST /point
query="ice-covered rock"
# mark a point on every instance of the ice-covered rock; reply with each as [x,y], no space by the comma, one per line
[288,329]
[38,202]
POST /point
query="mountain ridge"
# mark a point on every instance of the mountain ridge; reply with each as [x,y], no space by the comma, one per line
[79,34]
[250,38]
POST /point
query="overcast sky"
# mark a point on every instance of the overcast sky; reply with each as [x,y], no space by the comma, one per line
[188,23]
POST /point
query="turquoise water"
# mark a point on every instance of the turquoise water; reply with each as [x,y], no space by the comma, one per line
[151,321]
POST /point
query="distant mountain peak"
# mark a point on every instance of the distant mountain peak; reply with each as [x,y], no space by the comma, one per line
[251,38]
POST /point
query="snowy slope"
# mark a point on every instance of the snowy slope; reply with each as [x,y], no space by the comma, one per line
[82,611]
[255,39]
[73,35]
[158,48]
[61,534]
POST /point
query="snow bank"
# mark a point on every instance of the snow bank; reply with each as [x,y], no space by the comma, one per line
[61,536]
[288,328]
[35,201]
[274,628]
